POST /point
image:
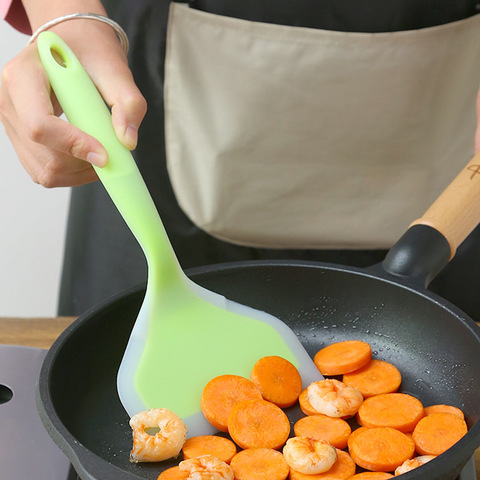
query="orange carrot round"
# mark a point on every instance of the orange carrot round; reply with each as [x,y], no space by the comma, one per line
[355,432]
[220,447]
[258,424]
[396,410]
[278,380]
[342,469]
[441,408]
[259,464]
[375,378]
[305,405]
[381,449]
[371,476]
[343,357]
[437,432]
[320,427]
[173,473]
[221,393]
[319,476]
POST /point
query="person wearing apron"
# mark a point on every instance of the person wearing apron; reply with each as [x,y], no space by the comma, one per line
[287,130]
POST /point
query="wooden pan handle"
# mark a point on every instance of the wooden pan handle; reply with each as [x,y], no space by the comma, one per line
[456,212]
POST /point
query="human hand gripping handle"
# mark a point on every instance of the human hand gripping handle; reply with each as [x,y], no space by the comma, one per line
[85,108]
[55,153]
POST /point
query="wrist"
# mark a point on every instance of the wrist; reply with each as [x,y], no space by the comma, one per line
[39,13]
[100,20]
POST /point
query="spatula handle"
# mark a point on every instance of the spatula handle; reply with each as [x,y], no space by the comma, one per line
[456,212]
[85,108]
[432,240]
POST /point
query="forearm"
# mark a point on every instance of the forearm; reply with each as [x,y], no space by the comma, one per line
[39,12]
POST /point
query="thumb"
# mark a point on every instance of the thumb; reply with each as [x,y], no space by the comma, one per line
[128,111]
[127,104]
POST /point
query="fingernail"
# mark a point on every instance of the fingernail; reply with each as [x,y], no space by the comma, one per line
[131,136]
[98,159]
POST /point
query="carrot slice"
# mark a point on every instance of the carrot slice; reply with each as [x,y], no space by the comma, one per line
[319,476]
[220,447]
[437,432]
[259,464]
[355,432]
[221,394]
[381,449]
[396,410]
[320,427]
[305,405]
[343,357]
[258,424]
[278,380]
[371,476]
[173,473]
[441,408]
[342,469]
[375,378]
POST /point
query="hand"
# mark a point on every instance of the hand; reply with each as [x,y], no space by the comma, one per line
[54,152]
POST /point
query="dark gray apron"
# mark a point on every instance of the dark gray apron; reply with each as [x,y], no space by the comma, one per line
[101,256]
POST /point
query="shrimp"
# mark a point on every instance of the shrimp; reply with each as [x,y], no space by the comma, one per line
[333,398]
[158,434]
[408,465]
[206,467]
[309,456]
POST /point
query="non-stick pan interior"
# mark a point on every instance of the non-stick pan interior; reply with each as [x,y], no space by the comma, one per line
[434,346]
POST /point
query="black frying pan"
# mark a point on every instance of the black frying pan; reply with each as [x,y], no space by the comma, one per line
[435,345]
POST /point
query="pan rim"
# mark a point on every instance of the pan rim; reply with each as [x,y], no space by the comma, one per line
[81,456]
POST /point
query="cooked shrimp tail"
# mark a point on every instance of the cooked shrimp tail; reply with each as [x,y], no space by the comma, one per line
[158,434]
[333,398]
[206,467]
[413,463]
[309,456]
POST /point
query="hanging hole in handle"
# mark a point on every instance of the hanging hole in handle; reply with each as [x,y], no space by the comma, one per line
[6,394]
[59,57]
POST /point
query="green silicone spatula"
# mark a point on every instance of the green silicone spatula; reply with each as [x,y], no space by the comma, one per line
[184,334]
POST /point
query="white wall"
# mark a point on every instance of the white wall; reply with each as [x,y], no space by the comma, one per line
[32,225]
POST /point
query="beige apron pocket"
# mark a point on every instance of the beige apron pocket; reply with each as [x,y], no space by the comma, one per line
[287,137]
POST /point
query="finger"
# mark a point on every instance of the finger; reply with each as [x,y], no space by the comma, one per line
[30,97]
[127,115]
[47,167]
[128,106]
[63,137]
